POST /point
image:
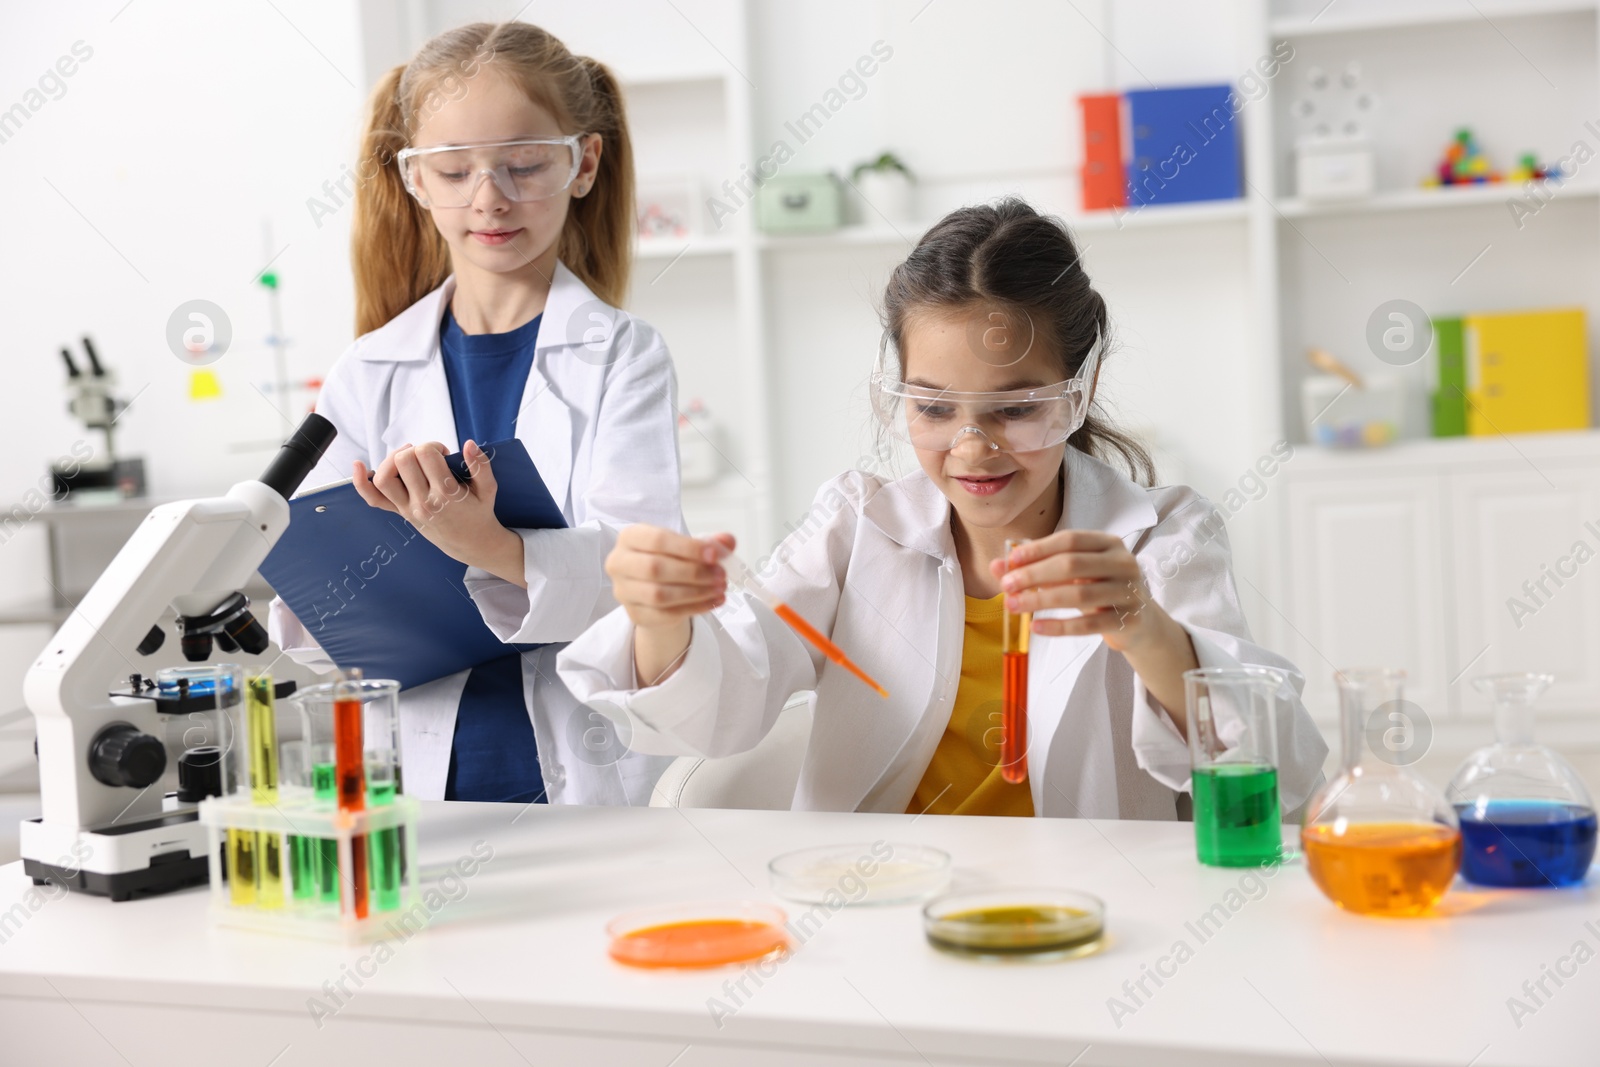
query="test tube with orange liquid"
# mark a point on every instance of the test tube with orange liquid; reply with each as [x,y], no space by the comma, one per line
[1014,688]
[739,573]
[351,776]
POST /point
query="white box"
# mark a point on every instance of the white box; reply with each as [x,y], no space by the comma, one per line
[1331,168]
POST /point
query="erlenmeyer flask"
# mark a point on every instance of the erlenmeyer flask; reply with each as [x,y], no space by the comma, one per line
[1526,818]
[1378,838]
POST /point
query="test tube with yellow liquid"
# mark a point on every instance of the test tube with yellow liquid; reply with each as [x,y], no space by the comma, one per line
[262,738]
[1014,688]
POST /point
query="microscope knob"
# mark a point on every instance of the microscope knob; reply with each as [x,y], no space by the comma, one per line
[122,756]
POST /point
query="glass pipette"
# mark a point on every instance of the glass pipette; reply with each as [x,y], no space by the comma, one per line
[739,573]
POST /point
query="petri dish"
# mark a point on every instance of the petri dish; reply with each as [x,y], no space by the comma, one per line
[698,935]
[1026,923]
[868,873]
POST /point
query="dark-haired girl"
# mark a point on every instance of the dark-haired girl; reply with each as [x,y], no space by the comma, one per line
[993,337]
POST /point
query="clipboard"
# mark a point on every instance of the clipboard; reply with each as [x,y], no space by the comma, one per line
[376,594]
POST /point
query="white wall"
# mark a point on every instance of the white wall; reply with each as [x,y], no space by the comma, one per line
[146,184]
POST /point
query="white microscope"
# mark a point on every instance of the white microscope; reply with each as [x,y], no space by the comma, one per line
[103,830]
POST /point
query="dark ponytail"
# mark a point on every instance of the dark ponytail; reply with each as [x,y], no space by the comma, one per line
[1006,256]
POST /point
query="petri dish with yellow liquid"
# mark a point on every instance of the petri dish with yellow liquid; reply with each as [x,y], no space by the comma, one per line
[1033,924]
[698,935]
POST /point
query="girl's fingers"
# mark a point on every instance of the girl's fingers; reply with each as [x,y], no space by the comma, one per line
[411,475]
[655,597]
[442,484]
[1062,541]
[367,491]
[1069,567]
[661,541]
[387,481]
[652,567]
[1097,622]
[1088,596]
[480,468]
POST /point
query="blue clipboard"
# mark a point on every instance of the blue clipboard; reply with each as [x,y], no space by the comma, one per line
[376,594]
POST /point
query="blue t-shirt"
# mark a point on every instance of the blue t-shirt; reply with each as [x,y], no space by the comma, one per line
[493,755]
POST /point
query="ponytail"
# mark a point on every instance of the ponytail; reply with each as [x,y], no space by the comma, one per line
[398,255]
[396,252]
[597,243]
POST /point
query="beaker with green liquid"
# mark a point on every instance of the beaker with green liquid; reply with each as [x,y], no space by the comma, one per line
[1233,749]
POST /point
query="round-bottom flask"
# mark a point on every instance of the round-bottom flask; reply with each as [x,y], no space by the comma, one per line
[1378,838]
[1526,818]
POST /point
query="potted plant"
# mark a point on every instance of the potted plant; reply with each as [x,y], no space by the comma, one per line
[885,184]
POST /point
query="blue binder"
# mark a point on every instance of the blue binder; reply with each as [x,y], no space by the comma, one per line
[1185,145]
[376,594]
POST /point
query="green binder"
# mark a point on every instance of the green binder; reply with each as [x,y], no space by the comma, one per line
[1450,401]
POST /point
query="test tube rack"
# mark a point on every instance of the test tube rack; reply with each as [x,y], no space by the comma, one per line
[313,911]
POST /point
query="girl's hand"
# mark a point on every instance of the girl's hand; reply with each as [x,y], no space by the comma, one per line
[1088,570]
[663,579]
[417,484]
[1095,572]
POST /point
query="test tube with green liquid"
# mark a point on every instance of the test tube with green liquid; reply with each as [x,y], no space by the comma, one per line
[325,787]
[261,722]
[294,774]
[383,845]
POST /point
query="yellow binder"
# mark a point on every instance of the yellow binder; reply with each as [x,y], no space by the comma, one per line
[1527,372]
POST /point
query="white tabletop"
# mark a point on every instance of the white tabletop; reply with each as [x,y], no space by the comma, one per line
[515,969]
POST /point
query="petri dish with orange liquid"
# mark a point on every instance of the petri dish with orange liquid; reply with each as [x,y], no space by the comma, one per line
[700,935]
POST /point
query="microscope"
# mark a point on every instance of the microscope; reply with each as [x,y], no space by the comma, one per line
[102,830]
[93,403]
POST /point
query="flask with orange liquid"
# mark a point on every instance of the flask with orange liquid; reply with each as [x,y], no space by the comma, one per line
[1378,838]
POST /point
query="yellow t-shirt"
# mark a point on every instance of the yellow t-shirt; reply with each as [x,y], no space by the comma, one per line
[964,778]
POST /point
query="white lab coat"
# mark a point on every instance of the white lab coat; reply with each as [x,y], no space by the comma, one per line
[874,565]
[599,419]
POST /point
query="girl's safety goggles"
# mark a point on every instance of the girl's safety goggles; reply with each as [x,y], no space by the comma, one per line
[1018,420]
[533,169]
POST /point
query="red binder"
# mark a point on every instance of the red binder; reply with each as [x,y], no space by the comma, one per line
[1102,177]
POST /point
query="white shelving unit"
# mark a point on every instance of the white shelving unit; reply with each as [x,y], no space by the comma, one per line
[1410,553]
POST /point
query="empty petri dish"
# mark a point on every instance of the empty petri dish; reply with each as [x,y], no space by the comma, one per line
[698,935]
[1022,923]
[877,872]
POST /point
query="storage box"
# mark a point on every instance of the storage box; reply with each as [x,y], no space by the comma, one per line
[1331,168]
[1338,415]
[799,203]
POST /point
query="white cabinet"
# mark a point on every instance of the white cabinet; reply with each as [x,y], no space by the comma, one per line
[1366,582]
[1526,579]
[1418,556]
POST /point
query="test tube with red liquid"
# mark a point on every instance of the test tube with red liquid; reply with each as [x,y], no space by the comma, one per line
[351,776]
[1014,692]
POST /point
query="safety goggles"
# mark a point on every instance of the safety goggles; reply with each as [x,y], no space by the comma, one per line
[532,169]
[1018,420]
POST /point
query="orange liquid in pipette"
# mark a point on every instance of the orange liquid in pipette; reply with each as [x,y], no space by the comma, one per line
[1014,718]
[698,943]
[350,773]
[1383,868]
[829,649]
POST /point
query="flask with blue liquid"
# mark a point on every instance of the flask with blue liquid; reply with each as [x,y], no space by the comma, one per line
[1526,818]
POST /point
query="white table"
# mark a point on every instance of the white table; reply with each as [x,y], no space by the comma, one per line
[515,970]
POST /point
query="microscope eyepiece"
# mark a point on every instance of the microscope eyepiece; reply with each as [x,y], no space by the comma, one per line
[299,454]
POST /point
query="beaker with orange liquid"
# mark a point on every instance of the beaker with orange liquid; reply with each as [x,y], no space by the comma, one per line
[1379,839]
